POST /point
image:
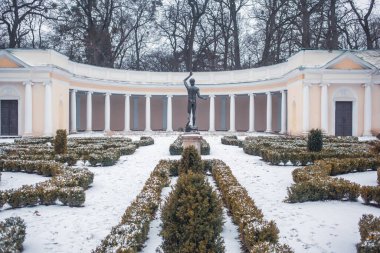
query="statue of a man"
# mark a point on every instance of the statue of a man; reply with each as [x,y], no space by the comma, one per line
[192,94]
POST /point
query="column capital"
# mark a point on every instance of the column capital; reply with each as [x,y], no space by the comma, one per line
[108,94]
[47,83]
[232,95]
[268,93]
[283,91]
[148,95]
[127,95]
[369,84]
[89,92]
[211,95]
[169,96]
[251,94]
[324,84]
[74,90]
[28,82]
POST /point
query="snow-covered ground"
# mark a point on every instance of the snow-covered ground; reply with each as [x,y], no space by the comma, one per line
[330,226]
[14,180]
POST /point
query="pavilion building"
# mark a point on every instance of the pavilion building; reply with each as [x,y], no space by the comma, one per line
[337,91]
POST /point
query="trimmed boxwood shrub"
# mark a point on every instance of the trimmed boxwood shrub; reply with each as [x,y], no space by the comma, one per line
[22,197]
[232,140]
[72,196]
[192,217]
[323,188]
[370,193]
[12,234]
[257,234]
[369,228]
[315,140]
[60,142]
[190,161]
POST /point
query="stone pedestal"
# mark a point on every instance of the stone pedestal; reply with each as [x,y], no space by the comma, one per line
[194,139]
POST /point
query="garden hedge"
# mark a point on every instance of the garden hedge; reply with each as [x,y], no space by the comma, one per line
[232,140]
[12,235]
[257,234]
[369,228]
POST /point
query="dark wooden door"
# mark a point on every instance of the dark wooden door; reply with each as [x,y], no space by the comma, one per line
[9,117]
[343,119]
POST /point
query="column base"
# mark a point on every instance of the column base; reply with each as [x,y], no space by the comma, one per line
[269,131]
[283,132]
[367,134]
[232,130]
[27,135]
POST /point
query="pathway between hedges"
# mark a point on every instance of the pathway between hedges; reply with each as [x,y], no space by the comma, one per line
[64,229]
[330,226]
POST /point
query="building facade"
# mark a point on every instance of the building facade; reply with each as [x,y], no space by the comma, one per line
[337,91]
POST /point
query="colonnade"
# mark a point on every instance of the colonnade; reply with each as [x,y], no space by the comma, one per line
[169,110]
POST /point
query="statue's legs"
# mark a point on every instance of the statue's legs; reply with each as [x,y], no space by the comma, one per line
[194,108]
[189,113]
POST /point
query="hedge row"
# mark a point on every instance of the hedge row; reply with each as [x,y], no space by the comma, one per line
[12,234]
[177,149]
[33,140]
[131,233]
[232,140]
[66,185]
[257,234]
[369,228]
[313,183]
[282,150]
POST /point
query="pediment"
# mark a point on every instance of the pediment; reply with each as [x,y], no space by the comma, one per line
[7,60]
[348,61]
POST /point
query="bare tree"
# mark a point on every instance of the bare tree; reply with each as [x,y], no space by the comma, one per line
[17,14]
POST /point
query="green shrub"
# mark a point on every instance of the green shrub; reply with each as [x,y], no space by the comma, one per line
[60,142]
[192,217]
[176,147]
[22,197]
[369,228]
[253,228]
[267,247]
[315,140]
[12,234]
[378,175]
[323,188]
[72,196]
[190,161]
[48,195]
[370,193]
[4,196]
[232,140]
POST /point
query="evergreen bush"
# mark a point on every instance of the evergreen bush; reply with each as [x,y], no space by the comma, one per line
[190,161]
[192,217]
[60,142]
[315,140]
[369,228]
[12,234]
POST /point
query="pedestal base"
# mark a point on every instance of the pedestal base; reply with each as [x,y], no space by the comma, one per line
[192,139]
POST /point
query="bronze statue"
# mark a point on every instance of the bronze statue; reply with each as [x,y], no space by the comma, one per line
[192,94]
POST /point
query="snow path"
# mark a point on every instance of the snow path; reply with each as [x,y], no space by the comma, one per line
[368,178]
[14,180]
[330,226]
[64,229]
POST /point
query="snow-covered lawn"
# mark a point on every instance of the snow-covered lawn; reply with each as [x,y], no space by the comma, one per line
[14,180]
[330,226]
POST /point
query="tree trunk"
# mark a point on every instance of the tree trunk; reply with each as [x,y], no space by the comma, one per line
[235,34]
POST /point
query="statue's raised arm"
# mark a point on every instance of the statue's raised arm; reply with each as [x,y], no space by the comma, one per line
[187,78]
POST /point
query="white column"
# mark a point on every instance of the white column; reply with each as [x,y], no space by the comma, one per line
[212,114]
[169,125]
[73,111]
[147,113]
[232,113]
[89,111]
[269,112]
[48,128]
[367,110]
[127,115]
[107,113]
[283,112]
[324,108]
[28,128]
[306,101]
[251,112]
